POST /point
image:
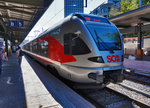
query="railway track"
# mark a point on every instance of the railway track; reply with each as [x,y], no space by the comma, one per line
[109,98]
[137,77]
[120,95]
[137,96]
[136,90]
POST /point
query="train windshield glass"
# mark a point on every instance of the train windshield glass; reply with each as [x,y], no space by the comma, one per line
[106,37]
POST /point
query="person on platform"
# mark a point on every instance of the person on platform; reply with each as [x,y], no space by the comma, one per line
[19,54]
[2,55]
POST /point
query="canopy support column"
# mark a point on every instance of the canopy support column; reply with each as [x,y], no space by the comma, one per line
[139,45]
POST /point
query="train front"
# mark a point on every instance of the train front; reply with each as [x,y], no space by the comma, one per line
[108,50]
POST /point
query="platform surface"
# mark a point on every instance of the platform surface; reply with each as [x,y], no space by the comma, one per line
[65,96]
[31,85]
[36,93]
[138,65]
[12,93]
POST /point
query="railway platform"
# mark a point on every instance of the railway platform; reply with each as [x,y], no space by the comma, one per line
[32,86]
[138,65]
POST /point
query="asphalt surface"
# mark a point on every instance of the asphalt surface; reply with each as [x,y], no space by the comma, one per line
[12,93]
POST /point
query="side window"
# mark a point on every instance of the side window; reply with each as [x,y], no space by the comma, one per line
[44,48]
[41,51]
[27,47]
[30,45]
[74,45]
[38,48]
[34,47]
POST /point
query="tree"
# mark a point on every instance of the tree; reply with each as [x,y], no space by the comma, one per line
[146,2]
[113,12]
[126,5]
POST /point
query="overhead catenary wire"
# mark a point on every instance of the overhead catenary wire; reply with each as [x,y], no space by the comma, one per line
[47,22]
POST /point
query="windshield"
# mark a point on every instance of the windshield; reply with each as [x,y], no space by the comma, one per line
[106,37]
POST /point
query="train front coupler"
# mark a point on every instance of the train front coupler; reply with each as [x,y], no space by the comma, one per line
[114,76]
[117,77]
[97,76]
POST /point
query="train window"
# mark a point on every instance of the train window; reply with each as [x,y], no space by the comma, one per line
[35,47]
[74,45]
[39,48]
[44,48]
[106,37]
[41,44]
[30,45]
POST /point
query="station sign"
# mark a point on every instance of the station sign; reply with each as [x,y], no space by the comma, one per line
[15,23]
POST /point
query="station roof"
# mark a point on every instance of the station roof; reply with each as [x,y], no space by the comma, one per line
[28,11]
[127,22]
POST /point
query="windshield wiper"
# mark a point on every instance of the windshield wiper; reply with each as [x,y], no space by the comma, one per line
[98,38]
[103,43]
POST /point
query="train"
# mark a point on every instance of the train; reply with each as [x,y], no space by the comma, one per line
[83,48]
[130,45]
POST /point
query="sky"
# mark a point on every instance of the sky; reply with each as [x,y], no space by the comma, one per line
[54,14]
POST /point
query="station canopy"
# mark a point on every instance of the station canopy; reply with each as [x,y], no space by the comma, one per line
[129,21]
[27,12]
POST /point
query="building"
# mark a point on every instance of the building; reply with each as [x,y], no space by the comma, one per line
[72,6]
[105,7]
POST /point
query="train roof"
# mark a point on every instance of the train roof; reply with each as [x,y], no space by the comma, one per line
[81,16]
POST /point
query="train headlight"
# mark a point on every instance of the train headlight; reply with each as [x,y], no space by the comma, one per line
[98,59]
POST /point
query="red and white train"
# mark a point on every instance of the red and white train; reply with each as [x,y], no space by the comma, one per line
[82,48]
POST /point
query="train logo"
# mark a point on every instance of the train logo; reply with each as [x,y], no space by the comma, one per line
[113,58]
